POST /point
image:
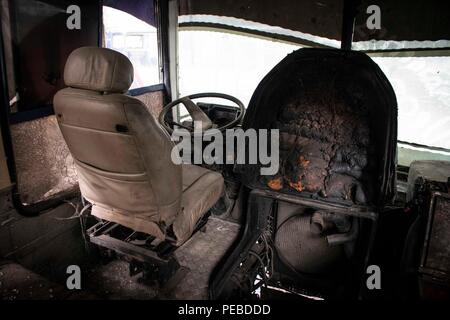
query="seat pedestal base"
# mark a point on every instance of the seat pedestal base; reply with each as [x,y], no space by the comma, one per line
[157,263]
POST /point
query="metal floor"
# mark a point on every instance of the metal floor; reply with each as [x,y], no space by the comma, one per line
[199,256]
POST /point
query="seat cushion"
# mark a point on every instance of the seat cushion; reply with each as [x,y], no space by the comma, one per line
[202,188]
[122,154]
[98,69]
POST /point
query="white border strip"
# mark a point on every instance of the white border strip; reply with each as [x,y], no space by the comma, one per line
[359,45]
[381,45]
[256,26]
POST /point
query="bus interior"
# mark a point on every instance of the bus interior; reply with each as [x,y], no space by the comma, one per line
[94,91]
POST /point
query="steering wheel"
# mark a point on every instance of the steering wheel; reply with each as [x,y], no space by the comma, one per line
[197,113]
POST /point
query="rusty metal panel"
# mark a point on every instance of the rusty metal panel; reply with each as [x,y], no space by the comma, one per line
[43,162]
[154,101]
[436,257]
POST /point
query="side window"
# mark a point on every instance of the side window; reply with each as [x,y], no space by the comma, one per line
[422,86]
[37,43]
[421,80]
[233,64]
[136,39]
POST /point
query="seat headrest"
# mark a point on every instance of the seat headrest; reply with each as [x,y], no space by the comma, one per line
[98,69]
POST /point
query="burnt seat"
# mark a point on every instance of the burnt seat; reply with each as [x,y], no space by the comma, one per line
[336,113]
[123,155]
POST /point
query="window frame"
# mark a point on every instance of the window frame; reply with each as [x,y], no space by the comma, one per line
[44,110]
[160,86]
[345,42]
[412,146]
[7,118]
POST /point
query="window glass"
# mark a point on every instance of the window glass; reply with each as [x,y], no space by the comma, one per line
[137,40]
[422,87]
[221,61]
[235,63]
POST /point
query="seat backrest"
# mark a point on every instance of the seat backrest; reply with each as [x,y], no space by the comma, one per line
[122,154]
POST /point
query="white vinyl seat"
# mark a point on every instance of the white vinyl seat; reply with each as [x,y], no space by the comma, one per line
[123,155]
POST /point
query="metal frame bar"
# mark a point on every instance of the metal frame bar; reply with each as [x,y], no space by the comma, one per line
[255,224]
[348,23]
[143,90]
[158,263]
[161,8]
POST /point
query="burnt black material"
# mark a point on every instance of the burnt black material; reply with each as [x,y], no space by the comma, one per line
[337,116]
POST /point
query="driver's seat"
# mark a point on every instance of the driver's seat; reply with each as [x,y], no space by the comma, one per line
[122,154]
